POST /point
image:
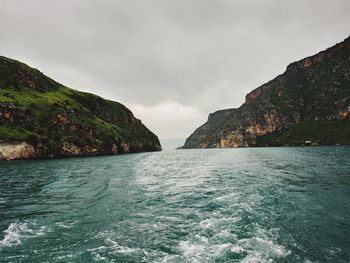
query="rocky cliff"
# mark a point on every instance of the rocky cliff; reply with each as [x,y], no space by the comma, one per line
[309,102]
[41,118]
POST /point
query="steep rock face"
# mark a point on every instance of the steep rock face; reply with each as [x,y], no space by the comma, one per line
[41,118]
[309,101]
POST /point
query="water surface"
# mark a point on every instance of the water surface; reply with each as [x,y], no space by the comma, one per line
[233,205]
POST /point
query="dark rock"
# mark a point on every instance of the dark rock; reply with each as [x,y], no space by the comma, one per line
[311,99]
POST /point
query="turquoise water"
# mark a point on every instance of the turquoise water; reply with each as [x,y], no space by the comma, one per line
[234,205]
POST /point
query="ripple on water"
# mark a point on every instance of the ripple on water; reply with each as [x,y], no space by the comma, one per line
[239,205]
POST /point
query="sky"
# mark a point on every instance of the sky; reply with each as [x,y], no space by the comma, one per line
[172,62]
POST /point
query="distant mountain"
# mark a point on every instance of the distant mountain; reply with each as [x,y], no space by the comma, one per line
[41,118]
[309,103]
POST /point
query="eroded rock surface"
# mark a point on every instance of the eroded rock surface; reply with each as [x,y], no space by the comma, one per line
[309,101]
[41,118]
[17,150]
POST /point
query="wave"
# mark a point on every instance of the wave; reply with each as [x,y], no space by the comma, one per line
[255,249]
[16,232]
[67,224]
[110,247]
[217,238]
[261,250]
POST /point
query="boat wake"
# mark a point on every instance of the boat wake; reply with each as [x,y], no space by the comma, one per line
[17,232]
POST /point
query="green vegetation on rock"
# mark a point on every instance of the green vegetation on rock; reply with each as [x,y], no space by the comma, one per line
[310,101]
[318,132]
[60,121]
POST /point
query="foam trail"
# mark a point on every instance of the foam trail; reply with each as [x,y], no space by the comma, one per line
[16,232]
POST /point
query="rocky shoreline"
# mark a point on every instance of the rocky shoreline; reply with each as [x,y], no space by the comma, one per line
[21,150]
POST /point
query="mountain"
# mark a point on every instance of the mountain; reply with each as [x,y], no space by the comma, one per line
[309,103]
[41,118]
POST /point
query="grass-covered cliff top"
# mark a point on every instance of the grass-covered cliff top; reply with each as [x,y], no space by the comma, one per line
[37,109]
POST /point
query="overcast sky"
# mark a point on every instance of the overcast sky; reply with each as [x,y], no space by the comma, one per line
[172,62]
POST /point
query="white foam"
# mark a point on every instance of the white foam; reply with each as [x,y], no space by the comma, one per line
[98,257]
[229,197]
[224,234]
[192,251]
[18,231]
[67,224]
[261,250]
[261,247]
[111,247]
[200,249]
[12,235]
[100,248]
[169,258]
[214,222]
[120,249]
[256,257]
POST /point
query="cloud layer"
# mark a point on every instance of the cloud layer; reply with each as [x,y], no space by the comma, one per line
[171,62]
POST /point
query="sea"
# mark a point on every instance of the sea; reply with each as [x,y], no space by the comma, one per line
[289,204]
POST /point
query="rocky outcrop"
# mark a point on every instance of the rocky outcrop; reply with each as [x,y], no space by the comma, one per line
[17,150]
[40,118]
[309,101]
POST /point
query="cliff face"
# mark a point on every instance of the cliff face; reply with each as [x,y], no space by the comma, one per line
[41,118]
[310,101]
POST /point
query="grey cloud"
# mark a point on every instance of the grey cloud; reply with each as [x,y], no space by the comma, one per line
[201,53]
